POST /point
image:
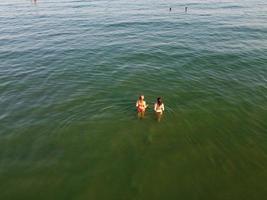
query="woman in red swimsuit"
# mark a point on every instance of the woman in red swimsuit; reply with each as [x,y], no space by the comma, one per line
[141,106]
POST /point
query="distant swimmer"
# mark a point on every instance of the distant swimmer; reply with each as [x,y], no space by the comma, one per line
[185,9]
[159,108]
[141,106]
[170,9]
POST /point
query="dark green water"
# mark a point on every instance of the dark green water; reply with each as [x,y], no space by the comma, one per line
[71,71]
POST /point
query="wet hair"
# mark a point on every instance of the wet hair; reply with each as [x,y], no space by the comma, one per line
[159,101]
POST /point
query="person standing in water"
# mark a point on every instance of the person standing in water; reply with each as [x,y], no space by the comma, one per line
[159,108]
[141,107]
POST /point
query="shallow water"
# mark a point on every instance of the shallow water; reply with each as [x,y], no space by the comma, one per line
[71,71]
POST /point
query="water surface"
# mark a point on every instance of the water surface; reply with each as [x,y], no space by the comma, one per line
[71,71]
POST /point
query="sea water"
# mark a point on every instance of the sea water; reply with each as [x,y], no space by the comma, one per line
[72,70]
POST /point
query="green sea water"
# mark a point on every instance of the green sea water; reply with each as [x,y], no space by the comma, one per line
[72,70]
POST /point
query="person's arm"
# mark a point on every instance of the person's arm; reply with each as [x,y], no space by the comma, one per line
[146,105]
[136,104]
[155,107]
[162,107]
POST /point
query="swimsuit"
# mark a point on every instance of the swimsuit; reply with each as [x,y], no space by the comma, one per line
[159,108]
[140,107]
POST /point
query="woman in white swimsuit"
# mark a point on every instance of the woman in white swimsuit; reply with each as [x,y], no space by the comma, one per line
[159,108]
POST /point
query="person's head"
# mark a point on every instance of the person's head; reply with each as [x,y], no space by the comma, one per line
[159,101]
[142,97]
